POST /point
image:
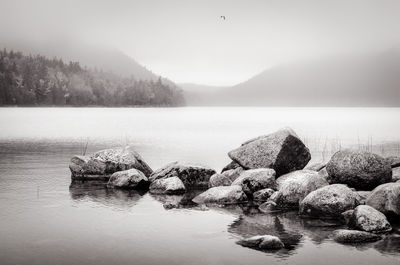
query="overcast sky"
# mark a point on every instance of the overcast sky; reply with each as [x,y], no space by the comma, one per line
[188,41]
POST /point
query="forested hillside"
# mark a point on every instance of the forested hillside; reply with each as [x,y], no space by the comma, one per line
[37,80]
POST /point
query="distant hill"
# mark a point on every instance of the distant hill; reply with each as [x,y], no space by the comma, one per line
[199,95]
[363,80]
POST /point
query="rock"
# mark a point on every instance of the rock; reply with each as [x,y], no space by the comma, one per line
[394,161]
[263,195]
[128,179]
[360,170]
[224,179]
[386,198]
[256,179]
[354,236]
[102,164]
[362,196]
[295,186]
[395,174]
[368,219]
[231,165]
[329,201]
[283,151]
[316,166]
[190,175]
[347,215]
[264,242]
[172,185]
[222,195]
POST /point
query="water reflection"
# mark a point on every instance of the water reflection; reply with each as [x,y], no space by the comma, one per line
[98,192]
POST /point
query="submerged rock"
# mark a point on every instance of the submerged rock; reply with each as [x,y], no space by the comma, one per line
[102,164]
[172,185]
[360,170]
[283,151]
[354,236]
[222,195]
[128,179]
[368,219]
[295,186]
[256,179]
[226,178]
[329,201]
[386,198]
[394,161]
[190,175]
[264,242]
[263,195]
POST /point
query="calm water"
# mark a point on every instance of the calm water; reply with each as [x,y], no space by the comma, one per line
[44,219]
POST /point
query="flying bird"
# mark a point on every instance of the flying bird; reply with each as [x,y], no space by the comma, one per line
[223,17]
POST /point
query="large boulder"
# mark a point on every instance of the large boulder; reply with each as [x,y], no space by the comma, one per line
[172,185]
[354,236]
[128,179]
[360,170]
[394,161]
[225,178]
[368,219]
[264,242]
[329,201]
[386,198]
[222,195]
[102,164]
[256,179]
[283,151]
[191,175]
[295,186]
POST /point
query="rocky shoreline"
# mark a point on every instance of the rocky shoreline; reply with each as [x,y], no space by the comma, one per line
[360,190]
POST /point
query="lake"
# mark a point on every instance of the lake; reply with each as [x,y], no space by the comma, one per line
[46,219]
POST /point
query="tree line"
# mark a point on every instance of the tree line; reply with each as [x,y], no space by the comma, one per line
[39,81]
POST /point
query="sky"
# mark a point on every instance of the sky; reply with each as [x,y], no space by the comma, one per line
[188,41]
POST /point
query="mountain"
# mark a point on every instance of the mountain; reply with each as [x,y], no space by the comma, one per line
[347,80]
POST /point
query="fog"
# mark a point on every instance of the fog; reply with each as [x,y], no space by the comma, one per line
[189,42]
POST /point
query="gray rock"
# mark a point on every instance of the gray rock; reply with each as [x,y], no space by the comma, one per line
[368,219]
[172,185]
[316,166]
[128,179]
[262,195]
[231,165]
[329,201]
[102,164]
[354,236]
[394,161]
[362,196]
[395,174]
[256,179]
[264,242]
[360,170]
[295,186]
[222,195]
[224,179]
[191,175]
[283,151]
[386,198]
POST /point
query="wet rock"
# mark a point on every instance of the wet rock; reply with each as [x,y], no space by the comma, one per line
[394,161]
[264,242]
[102,164]
[316,166]
[360,170]
[283,151]
[329,201]
[362,196]
[386,198]
[395,174]
[172,185]
[128,179]
[368,219]
[222,195]
[262,195]
[354,236]
[295,186]
[190,175]
[256,179]
[224,179]
[231,165]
